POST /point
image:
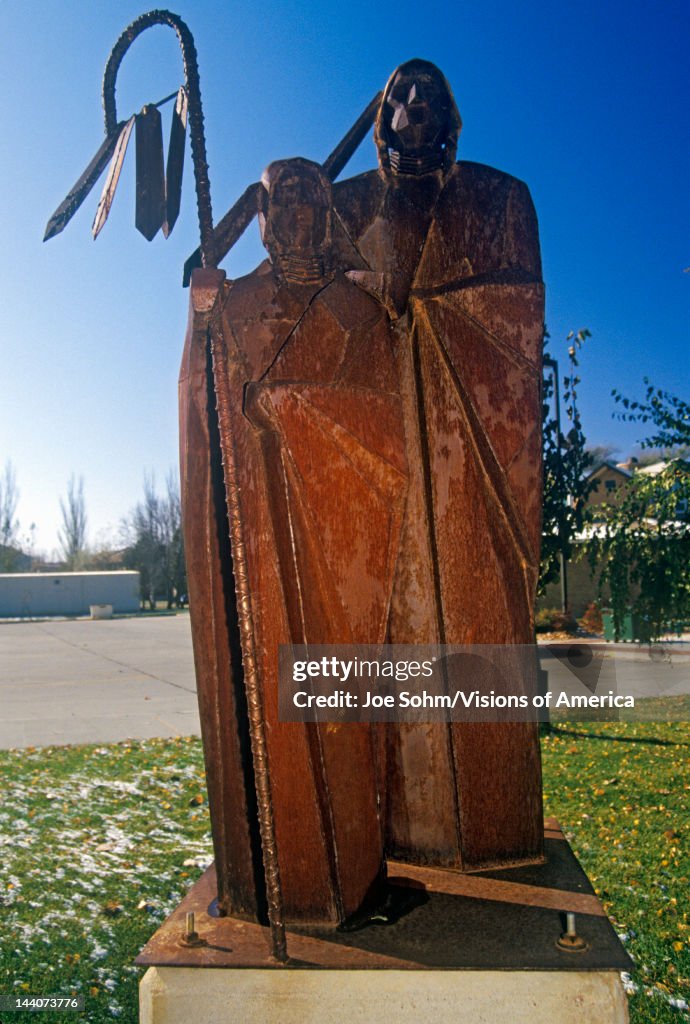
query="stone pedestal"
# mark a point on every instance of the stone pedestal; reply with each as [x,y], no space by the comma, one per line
[476,948]
[170,995]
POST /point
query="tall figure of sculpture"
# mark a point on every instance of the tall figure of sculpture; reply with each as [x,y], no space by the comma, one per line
[309,412]
[453,252]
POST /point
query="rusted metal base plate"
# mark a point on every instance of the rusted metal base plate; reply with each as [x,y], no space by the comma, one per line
[509,919]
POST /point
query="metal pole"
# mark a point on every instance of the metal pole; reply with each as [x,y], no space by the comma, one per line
[209,259]
[553,366]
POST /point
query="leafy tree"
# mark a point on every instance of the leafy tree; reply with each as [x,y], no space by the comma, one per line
[642,550]
[565,461]
[642,547]
[155,547]
[72,535]
[669,415]
[9,524]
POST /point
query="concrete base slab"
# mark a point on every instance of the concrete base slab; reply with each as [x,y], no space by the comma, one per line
[475,948]
[178,995]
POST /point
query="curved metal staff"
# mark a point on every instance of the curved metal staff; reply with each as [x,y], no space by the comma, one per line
[196,116]
[119,132]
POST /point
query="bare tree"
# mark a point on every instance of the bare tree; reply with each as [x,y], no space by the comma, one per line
[144,542]
[9,524]
[72,535]
[175,569]
[599,453]
[153,531]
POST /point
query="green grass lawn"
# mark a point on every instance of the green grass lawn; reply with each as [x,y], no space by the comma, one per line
[622,794]
[99,843]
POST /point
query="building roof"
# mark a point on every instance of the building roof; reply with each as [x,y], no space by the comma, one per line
[106,572]
[611,466]
[658,467]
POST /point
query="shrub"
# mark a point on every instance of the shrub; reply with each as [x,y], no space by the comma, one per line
[592,621]
[553,620]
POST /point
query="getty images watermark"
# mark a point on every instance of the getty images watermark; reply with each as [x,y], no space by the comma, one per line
[480,683]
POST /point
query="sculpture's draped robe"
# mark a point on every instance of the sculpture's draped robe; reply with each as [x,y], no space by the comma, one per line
[464,248]
[308,399]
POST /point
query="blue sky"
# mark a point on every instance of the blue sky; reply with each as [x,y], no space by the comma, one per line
[585,102]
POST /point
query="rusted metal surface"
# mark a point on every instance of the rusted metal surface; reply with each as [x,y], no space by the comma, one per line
[217,655]
[510,919]
[427,478]
[379,425]
[231,942]
[478,887]
[226,404]
[150,182]
[292,384]
[151,186]
[196,116]
[175,162]
[453,251]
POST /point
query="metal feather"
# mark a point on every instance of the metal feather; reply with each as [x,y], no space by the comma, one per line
[175,164]
[80,190]
[108,194]
[150,191]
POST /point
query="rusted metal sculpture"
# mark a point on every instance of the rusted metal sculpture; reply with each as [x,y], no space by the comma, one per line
[238,218]
[451,252]
[360,463]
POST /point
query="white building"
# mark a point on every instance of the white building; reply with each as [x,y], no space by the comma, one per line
[32,594]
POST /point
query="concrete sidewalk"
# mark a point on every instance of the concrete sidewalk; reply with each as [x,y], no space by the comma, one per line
[84,681]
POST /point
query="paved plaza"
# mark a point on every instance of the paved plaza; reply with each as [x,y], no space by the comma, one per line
[100,681]
[96,681]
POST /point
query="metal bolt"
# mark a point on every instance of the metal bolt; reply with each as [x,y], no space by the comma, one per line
[570,941]
[190,936]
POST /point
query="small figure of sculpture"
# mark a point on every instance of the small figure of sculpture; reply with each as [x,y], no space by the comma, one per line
[309,409]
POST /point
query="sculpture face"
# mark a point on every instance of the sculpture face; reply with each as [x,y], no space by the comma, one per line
[417,109]
[298,212]
[295,219]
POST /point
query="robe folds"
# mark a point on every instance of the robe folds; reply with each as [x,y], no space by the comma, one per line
[389,490]
[460,256]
